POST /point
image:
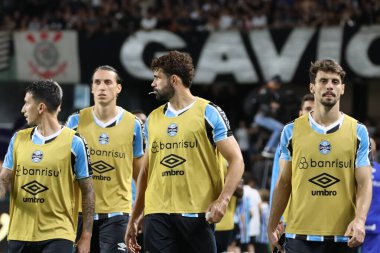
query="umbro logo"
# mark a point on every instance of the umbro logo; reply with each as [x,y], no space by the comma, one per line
[324,180]
[101,167]
[34,187]
[171,161]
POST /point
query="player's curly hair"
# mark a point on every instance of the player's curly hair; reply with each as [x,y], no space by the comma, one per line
[326,65]
[176,63]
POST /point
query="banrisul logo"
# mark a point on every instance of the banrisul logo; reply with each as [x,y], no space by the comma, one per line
[324,147]
[37,156]
[172,129]
[310,163]
[157,146]
[324,181]
[104,139]
[303,165]
[34,188]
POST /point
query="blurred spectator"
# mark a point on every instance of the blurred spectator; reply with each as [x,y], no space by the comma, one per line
[265,102]
[262,242]
[226,20]
[249,214]
[242,136]
[149,21]
[371,127]
[140,114]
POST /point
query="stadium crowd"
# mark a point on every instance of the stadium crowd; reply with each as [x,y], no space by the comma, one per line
[106,16]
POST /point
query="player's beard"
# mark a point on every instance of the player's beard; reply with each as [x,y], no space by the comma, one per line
[329,103]
[166,93]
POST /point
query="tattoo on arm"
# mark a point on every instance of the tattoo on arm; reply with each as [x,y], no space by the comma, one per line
[5,181]
[88,203]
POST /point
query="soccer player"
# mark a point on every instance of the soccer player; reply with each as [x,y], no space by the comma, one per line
[372,227]
[307,104]
[181,184]
[114,137]
[42,169]
[326,170]
[225,228]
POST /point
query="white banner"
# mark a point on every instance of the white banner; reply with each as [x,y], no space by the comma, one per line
[47,55]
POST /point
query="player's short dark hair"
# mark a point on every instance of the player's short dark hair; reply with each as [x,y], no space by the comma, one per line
[48,92]
[138,111]
[326,65]
[176,63]
[307,97]
[108,68]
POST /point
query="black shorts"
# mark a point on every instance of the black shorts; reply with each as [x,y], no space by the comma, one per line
[223,239]
[107,234]
[164,233]
[48,246]
[302,246]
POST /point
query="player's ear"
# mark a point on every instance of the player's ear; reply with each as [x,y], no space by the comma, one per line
[311,88]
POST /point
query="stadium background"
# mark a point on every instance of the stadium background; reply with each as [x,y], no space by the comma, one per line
[231,61]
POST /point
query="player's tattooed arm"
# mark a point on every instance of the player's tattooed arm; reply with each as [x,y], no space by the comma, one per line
[88,206]
[88,203]
[5,182]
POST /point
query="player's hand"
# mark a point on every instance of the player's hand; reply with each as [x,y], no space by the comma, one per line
[274,237]
[356,229]
[216,211]
[130,236]
[83,245]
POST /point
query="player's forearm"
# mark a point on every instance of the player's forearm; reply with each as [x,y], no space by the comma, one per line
[137,163]
[281,196]
[5,182]
[363,200]
[140,195]
[232,179]
[3,190]
[88,205]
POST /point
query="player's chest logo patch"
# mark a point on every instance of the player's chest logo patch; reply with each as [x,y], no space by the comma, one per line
[37,156]
[104,139]
[324,147]
[172,129]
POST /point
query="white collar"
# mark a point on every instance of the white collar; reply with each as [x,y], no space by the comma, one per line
[111,121]
[47,138]
[325,129]
[178,112]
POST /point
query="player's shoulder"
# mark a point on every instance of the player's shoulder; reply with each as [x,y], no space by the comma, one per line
[362,130]
[213,109]
[289,126]
[73,120]
[78,140]
[24,133]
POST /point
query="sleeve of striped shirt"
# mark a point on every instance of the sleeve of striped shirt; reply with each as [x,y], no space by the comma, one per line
[73,121]
[217,119]
[286,142]
[8,159]
[82,167]
[138,140]
[364,148]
